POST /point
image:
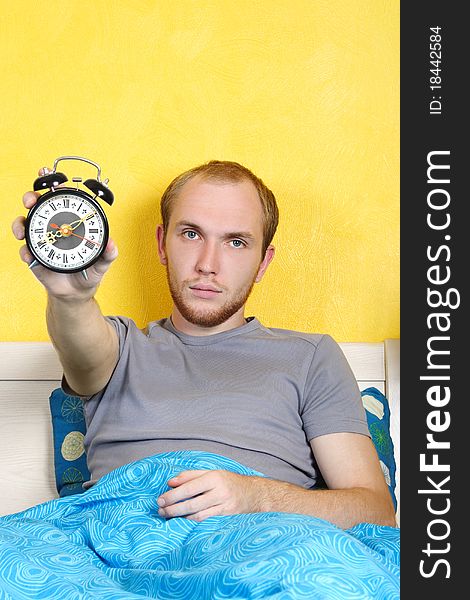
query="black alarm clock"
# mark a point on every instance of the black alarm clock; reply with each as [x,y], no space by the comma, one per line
[67,229]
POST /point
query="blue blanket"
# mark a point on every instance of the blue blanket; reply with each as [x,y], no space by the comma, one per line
[109,542]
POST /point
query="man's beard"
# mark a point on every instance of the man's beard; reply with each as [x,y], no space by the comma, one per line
[209,317]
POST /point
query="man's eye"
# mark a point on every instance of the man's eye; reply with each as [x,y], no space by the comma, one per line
[191,235]
[237,243]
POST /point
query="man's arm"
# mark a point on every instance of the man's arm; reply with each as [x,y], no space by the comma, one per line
[349,464]
[86,343]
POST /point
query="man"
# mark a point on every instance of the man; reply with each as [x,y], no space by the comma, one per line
[283,403]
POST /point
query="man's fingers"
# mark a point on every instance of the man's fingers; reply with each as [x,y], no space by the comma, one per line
[108,256]
[185,476]
[189,507]
[30,199]
[183,492]
[26,255]
[189,489]
[181,509]
[213,511]
[18,227]
[111,251]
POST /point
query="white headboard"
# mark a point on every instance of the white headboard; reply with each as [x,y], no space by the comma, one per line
[378,365]
[29,371]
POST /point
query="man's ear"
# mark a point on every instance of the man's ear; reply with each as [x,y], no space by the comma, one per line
[160,235]
[268,256]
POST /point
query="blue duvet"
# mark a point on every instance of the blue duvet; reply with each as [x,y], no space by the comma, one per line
[109,542]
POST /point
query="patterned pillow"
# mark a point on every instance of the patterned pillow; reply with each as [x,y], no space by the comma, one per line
[69,428]
[378,420]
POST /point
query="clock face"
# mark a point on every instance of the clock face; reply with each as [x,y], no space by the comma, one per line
[66,230]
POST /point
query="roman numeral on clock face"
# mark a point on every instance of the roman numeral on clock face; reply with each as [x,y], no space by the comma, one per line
[90,245]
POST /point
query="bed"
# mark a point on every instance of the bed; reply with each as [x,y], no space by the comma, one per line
[214,560]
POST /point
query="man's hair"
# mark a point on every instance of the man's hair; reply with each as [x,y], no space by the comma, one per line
[225,171]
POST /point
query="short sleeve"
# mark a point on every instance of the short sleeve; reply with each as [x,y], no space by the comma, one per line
[122,325]
[331,400]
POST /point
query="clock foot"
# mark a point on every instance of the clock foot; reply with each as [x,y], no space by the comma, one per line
[84,274]
[33,264]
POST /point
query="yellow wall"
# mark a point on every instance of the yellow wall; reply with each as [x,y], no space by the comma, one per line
[303,92]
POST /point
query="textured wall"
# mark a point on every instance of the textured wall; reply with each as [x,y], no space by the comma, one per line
[305,93]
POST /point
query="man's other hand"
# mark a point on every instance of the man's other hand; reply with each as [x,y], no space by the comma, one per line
[199,494]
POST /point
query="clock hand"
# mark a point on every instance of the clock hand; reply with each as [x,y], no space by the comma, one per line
[67,228]
[51,237]
[84,238]
[75,224]
[67,231]
[55,226]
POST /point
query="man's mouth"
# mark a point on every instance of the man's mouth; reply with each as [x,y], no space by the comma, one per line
[204,290]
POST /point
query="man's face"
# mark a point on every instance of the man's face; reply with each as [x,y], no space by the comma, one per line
[212,252]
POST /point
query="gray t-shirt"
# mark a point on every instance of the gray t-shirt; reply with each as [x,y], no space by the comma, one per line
[253,394]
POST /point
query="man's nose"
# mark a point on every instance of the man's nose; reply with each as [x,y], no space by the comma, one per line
[208,259]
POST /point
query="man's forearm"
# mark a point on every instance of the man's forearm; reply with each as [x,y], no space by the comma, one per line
[199,494]
[86,344]
[344,508]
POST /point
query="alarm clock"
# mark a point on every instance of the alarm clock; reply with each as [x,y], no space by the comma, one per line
[67,229]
